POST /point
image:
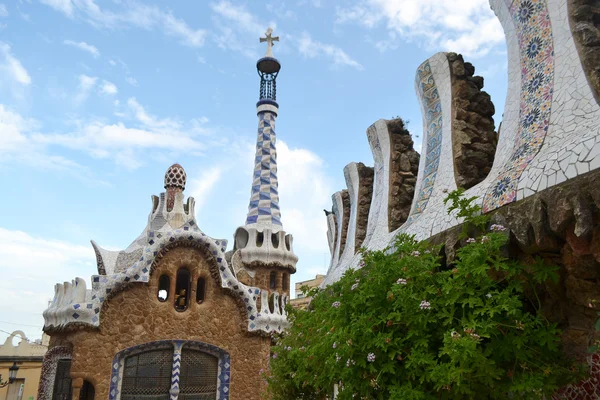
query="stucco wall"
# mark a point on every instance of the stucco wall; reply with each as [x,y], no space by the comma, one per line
[135,316]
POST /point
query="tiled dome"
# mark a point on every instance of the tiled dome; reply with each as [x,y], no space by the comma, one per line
[175,177]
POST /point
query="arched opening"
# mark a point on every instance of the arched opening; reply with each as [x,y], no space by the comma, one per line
[87,391]
[288,246]
[272,303]
[275,240]
[241,238]
[164,283]
[62,380]
[272,280]
[182,289]
[201,290]
[260,238]
[285,283]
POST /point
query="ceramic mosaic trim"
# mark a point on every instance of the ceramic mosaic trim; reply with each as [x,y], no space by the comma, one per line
[64,311]
[534,31]
[432,110]
[48,372]
[264,200]
[588,389]
[223,374]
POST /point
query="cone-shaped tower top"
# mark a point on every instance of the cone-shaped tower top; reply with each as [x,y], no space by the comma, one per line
[263,210]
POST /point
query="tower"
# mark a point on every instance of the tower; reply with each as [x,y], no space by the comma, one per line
[263,255]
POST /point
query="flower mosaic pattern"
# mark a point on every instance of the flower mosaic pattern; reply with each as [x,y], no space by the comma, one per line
[432,109]
[534,32]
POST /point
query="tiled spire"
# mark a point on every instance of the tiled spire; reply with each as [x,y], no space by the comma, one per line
[263,210]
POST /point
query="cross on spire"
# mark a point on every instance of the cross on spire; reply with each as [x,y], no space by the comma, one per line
[269,39]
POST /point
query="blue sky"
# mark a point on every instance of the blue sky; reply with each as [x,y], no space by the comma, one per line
[99,98]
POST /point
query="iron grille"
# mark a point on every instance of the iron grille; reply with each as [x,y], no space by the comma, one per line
[62,382]
[147,375]
[198,375]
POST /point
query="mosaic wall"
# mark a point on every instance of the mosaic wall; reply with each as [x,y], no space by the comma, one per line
[48,373]
[550,128]
[223,375]
[264,200]
[532,21]
[431,108]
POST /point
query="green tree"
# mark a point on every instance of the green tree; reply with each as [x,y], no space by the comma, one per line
[403,326]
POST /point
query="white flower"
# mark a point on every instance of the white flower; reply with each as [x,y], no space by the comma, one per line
[425,305]
[371,357]
[497,228]
[489,295]
[471,240]
[354,286]
[401,281]
[415,253]
[336,304]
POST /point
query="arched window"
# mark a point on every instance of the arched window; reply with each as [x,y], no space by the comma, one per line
[272,303]
[275,240]
[285,283]
[87,391]
[62,381]
[198,379]
[260,238]
[182,289]
[147,375]
[163,288]
[272,280]
[201,290]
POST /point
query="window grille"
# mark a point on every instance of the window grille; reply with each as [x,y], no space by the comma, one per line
[62,382]
[198,379]
[147,375]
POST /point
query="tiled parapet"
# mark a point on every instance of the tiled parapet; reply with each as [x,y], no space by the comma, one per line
[549,134]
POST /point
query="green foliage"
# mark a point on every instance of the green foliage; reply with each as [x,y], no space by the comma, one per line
[403,327]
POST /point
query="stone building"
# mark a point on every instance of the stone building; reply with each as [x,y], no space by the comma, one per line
[301,300]
[173,315]
[19,354]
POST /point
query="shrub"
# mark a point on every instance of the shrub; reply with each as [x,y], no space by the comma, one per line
[405,327]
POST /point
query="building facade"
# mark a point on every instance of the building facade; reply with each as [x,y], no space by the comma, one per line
[18,351]
[174,315]
[301,300]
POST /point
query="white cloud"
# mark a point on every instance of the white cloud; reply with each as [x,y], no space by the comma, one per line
[132,81]
[238,29]
[200,189]
[451,25]
[83,46]
[34,265]
[311,49]
[3,10]
[304,191]
[86,84]
[108,88]
[11,66]
[130,14]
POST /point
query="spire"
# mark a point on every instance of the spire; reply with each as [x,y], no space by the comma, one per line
[263,210]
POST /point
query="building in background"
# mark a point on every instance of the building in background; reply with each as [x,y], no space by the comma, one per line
[19,352]
[301,301]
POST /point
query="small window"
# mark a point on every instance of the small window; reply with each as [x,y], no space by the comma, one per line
[182,289]
[272,280]
[288,246]
[87,391]
[200,290]
[275,240]
[285,283]
[260,238]
[163,288]
[272,303]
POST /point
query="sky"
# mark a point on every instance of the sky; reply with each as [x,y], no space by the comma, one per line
[99,98]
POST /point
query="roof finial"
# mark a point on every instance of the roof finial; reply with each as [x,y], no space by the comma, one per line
[269,39]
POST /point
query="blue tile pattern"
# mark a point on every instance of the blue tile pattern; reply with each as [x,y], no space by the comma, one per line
[264,200]
[223,373]
[534,31]
[432,110]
